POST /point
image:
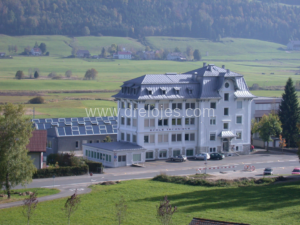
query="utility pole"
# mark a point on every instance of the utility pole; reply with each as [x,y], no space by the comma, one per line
[33,112]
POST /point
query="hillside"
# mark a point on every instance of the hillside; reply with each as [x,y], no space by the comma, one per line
[210,19]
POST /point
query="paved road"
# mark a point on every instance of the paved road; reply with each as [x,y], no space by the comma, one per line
[260,160]
[281,163]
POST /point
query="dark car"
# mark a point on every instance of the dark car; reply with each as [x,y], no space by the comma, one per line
[218,156]
[180,158]
[268,171]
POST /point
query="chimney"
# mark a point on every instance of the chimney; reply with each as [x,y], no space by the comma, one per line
[223,66]
[204,64]
[228,70]
[210,67]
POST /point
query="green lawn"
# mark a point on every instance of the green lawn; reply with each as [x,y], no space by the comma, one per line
[272,204]
[15,197]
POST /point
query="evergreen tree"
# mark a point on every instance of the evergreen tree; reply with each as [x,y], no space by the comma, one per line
[197,55]
[16,167]
[36,74]
[289,114]
[103,53]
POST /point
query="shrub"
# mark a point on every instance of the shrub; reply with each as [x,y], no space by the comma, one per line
[36,74]
[94,167]
[57,77]
[61,171]
[64,159]
[52,74]
[68,73]
[20,75]
[37,100]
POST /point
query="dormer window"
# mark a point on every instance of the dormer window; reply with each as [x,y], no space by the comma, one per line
[190,91]
[163,92]
[149,92]
[177,89]
[123,90]
[134,91]
[128,90]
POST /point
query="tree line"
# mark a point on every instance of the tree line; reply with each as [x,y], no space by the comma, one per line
[212,19]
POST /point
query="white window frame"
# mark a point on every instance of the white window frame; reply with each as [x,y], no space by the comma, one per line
[237,104]
[241,119]
[210,135]
[240,131]
[213,119]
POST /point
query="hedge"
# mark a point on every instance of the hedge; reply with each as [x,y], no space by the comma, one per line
[61,171]
[94,167]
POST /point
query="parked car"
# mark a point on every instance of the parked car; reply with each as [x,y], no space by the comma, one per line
[268,171]
[296,171]
[218,156]
[202,156]
[180,158]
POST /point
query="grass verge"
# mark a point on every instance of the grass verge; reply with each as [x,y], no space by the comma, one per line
[280,202]
[16,197]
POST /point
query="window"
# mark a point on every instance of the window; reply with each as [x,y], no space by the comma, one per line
[176,153]
[122,136]
[128,121]
[134,138]
[227,85]
[149,155]
[128,137]
[134,122]
[163,106]
[176,137]
[226,97]
[162,122]
[135,106]
[87,153]
[213,105]
[189,121]
[163,138]
[149,122]
[122,120]
[152,138]
[163,154]
[212,149]
[149,92]
[101,157]
[212,121]
[49,144]
[190,105]
[237,148]
[136,157]
[189,152]
[123,89]
[109,158]
[146,139]
[190,91]
[123,105]
[163,92]
[90,141]
[239,135]
[134,91]
[212,137]
[98,155]
[239,104]
[149,106]
[106,158]
[225,126]
[239,119]
[176,106]
[122,158]
[97,141]
[226,111]
[189,137]
[128,105]
[128,91]
[177,92]
[176,122]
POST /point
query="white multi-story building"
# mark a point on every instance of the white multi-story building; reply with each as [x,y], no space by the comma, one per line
[164,115]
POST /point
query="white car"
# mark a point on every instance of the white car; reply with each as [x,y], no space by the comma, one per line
[202,156]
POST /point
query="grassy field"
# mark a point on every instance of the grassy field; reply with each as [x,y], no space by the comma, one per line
[226,49]
[254,205]
[15,197]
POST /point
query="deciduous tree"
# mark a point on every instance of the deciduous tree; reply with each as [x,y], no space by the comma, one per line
[43,47]
[71,205]
[68,73]
[19,75]
[103,53]
[30,205]
[289,114]
[16,167]
[121,210]
[91,74]
[197,55]
[165,212]
[269,126]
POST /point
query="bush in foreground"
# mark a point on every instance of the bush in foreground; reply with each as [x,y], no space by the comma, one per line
[61,171]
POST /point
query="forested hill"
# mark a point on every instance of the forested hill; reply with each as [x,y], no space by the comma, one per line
[212,19]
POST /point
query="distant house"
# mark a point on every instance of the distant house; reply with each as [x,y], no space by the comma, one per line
[83,54]
[2,54]
[36,51]
[176,56]
[95,56]
[198,221]
[293,45]
[123,55]
[37,147]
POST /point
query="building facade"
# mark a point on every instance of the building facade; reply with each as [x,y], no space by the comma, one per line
[122,55]
[37,147]
[204,110]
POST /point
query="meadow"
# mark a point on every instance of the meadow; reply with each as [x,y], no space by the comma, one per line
[255,205]
[263,63]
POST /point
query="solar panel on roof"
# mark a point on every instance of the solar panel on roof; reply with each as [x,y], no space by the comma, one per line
[68,130]
[68,123]
[80,119]
[102,127]
[109,129]
[107,122]
[88,123]
[111,118]
[99,118]
[96,130]
[88,127]
[48,120]
[61,120]
[115,131]
[54,120]
[81,123]
[41,126]
[47,125]
[82,130]
[68,119]
[75,132]
[105,118]
[55,124]
[115,126]
[75,128]
[74,123]
[100,122]
[61,131]
[94,122]
[74,119]
[103,132]
[89,132]
[86,119]
[36,120]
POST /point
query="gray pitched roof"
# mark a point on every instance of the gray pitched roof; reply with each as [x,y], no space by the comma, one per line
[202,83]
[116,146]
